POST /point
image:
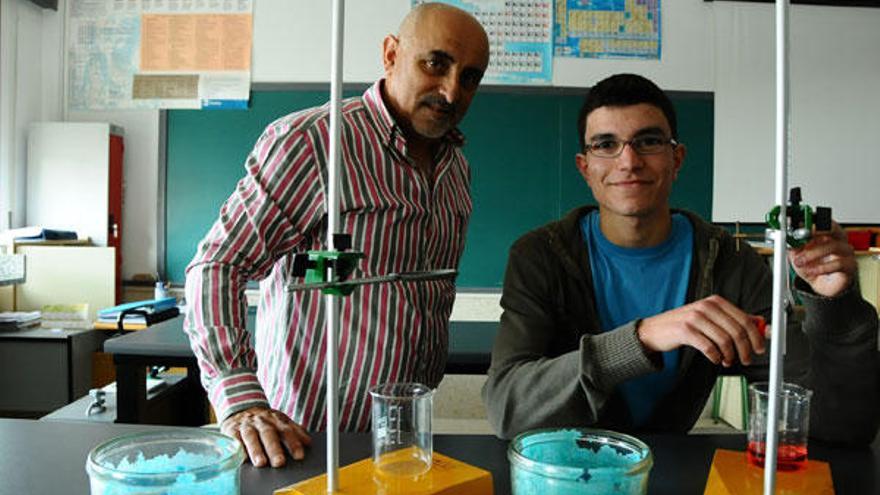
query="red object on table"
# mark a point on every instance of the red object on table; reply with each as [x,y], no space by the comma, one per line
[860,240]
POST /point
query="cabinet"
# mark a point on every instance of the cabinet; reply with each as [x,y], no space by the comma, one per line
[74,182]
[66,274]
[42,370]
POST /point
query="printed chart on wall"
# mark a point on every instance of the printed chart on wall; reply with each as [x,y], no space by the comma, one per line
[135,54]
[520,38]
[607,28]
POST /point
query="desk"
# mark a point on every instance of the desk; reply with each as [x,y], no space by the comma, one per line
[165,344]
[42,370]
[33,460]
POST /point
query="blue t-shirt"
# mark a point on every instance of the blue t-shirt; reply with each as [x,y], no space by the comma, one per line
[632,283]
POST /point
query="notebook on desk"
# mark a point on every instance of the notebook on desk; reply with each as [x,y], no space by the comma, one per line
[154,305]
[137,315]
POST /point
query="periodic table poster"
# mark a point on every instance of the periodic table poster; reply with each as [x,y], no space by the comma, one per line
[520,38]
[608,28]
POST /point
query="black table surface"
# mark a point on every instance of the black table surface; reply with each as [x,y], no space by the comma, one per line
[43,457]
[470,343]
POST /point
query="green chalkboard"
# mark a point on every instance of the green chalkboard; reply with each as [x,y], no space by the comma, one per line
[520,144]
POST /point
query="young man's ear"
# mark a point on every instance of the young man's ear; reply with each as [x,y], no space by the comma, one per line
[583,164]
[678,153]
[389,51]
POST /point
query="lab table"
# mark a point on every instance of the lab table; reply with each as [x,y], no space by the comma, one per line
[50,456]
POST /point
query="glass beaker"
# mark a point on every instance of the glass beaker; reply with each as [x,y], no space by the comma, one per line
[402,441]
[570,461]
[793,425]
[173,462]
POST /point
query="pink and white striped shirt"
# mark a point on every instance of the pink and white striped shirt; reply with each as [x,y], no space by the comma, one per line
[403,222]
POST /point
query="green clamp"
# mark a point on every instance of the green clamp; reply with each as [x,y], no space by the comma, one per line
[342,263]
[800,219]
[797,236]
[315,266]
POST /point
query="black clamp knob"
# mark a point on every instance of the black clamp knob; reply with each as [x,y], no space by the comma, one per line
[795,213]
[301,264]
[341,242]
[822,219]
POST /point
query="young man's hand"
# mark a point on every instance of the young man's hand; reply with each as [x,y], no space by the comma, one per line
[827,262]
[713,326]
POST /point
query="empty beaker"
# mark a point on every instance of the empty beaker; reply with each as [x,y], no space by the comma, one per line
[402,441]
[793,425]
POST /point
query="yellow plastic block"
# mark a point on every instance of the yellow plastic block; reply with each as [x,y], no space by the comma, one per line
[447,476]
[732,474]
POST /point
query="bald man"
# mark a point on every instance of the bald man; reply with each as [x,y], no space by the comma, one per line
[405,202]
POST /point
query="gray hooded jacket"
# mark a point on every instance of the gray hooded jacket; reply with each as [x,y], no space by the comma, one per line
[553,367]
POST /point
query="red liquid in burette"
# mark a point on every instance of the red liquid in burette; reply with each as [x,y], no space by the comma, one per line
[789,457]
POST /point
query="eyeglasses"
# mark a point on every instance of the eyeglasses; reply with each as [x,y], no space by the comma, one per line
[643,145]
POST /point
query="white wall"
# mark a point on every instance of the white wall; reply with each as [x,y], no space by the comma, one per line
[30,89]
[292,39]
[835,100]
[722,47]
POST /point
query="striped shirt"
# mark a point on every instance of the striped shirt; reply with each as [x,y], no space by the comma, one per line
[402,221]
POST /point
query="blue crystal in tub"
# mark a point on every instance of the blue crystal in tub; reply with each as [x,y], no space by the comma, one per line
[578,460]
[173,462]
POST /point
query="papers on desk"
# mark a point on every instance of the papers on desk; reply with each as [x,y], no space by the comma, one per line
[16,320]
[66,316]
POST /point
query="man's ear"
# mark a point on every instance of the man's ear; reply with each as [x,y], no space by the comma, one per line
[389,52]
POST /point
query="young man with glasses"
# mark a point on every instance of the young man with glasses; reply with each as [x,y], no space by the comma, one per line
[622,316]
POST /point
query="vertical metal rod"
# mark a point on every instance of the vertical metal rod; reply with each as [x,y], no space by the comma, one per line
[332,302]
[780,258]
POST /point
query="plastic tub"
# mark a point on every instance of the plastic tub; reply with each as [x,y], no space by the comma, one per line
[168,463]
[578,460]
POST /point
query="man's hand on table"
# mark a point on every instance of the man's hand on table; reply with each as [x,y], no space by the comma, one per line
[266,433]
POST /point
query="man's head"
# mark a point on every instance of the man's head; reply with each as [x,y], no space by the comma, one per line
[629,151]
[433,68]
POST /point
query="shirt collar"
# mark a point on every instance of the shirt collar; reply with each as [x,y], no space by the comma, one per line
[389,130]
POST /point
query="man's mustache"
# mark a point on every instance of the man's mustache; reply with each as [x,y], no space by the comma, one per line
[439,103]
